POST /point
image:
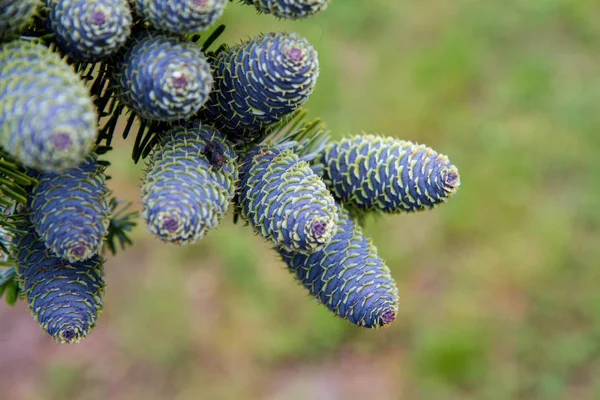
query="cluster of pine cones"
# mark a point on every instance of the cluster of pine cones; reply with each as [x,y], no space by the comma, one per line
[220,120]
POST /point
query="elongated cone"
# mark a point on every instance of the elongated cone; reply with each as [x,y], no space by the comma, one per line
[285,201]
[189,184]
[290,9]
[64,298]
[47,117]
[348,277]
[260,82]
[70,212]
[15,15]
[182,16]
[164,78]
[89,30]
[376,173]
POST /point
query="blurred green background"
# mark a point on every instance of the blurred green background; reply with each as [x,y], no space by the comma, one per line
[500,288]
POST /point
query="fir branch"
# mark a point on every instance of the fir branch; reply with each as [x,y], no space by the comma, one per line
[307,138]
[9,286]
[212,38]
[121,223]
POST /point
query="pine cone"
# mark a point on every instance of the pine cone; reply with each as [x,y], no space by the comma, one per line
[64,298]
[70,211]
[181,17]
[89,30]
[164,78]
[348,277]
[47,115]
[15,15]
[189,184]
[289,9]
[375,173]
[285,201]
[260,82]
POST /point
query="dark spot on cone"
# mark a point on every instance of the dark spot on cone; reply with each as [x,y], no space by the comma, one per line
[61,141]
[318,229]
[295,54]
[451,179]
[179,80]
[79,250]
[99,17]
[68,335]
[388,317]
[170,224]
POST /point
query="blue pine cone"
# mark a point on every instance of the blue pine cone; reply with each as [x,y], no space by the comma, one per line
[260,82]
[376,173]
[290,9]
[69,210]
[47,116]
[64,298]
[348,277]
[284,200]
[15,15]
[181,17]
[89,30]
[189,184]
[164,78]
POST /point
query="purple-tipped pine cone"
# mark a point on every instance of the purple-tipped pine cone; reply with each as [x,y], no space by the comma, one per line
[64,298]
[285,201]
[189,184]
[348,277]
[289,9]
[260,82]
[164,78]
[47,116]
[375,173]
[69,210]
[89,30]
[181,17]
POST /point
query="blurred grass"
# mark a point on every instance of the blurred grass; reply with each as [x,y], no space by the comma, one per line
[499,288]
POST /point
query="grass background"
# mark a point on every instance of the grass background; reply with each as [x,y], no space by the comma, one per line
[499,288]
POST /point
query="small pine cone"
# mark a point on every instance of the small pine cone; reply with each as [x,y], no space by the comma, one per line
[181,17]
[164,78]
[375,173]
[89,30]
[260,82]
[69,210]
[290,9]
[47,116]
[189,184]
[15,15]
[285,201]
[348,277]
[64,298]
